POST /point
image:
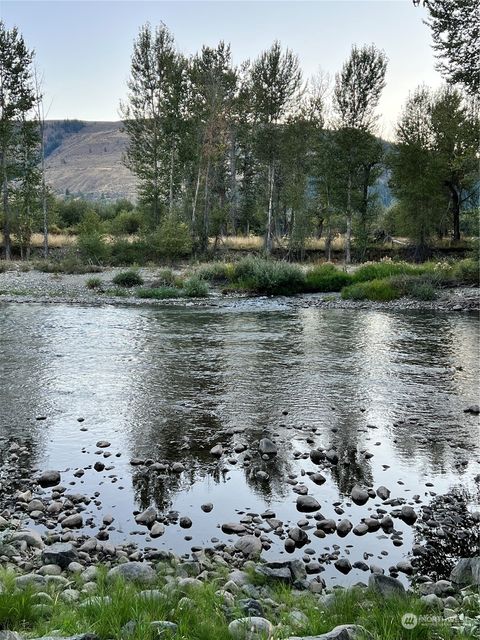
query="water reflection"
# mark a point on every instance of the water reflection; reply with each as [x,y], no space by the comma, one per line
[168,384]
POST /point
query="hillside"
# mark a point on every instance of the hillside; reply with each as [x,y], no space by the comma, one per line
[85,159]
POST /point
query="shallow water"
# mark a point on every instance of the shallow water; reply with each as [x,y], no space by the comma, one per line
[169,383]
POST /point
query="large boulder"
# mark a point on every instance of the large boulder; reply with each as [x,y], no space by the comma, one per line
[147,517]
[266,446]
[466,572]
[133,572]
[60,553]
[359,495]
[385,585]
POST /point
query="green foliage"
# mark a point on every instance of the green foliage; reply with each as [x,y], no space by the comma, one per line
[325,278]
[94,283]
[159,293]
[167,278]
[172,239]
[126,223]
[376,290]
[93,248]
[70,265]
[467,272]
[195,288]
[126,253]
[268,277]
[379,270]
[215,272]
[128,279]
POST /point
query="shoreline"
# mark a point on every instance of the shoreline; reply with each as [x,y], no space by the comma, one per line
[35,287]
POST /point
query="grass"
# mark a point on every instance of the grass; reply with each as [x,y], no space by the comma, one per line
[128,279]
[195,288]
[159,293]
[94,283]
[376,290]
[326,278]
[69,265]
[200,612]
[267,277]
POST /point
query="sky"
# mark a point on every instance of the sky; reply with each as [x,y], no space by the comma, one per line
[83,48]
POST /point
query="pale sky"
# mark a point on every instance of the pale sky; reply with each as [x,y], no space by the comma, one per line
[83,48]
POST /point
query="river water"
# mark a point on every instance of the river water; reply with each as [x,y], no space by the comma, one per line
[170,383]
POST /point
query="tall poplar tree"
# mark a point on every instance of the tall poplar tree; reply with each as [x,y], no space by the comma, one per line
[358,87]
[17,100]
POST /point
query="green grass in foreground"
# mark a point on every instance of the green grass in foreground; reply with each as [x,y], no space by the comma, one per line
[201,614]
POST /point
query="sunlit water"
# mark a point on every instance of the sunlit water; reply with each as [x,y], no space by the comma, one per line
[169,383]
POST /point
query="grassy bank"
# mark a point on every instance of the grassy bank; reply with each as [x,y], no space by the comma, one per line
[203,610]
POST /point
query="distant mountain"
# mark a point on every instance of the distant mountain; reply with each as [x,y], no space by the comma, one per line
[85,159]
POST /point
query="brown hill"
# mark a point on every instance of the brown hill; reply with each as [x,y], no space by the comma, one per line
[85,159]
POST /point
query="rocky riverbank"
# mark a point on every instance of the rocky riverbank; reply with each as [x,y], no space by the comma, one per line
[37,287]
[48,558]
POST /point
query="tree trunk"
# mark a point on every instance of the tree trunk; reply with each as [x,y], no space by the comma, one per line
[233,182]
[7,243]
[206,217]
[455,196]
[268,236]
[195,199]
[170,190]
[348,235]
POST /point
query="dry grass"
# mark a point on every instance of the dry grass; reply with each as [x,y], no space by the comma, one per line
[55,240]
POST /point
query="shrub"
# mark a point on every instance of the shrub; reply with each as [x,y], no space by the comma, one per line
[467,272]
[379,270]
[376,290]
[68,265]
[268,277]
[126,223]
[172,239]
[216,272]
[93,248]
[159,293]
[128,279]
[125,253]
[94,283]
[195,288]
[166,278]
[326,277]
[423,291]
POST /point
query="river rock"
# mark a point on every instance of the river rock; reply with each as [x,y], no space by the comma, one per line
[60,553]
[343,565]
[10,635]
[383,493]
[31,537]
[317,456]
[385,585]
[133,572]
[249,546]
[253,628]
[307,504]
[233,527]
[342,632]
[103,444]
[266,446]
[299,536]
[359,495]
[74,521]
[49,478]
[147,517]
[157,530]
[466,572]
[344,527]
[217,451]
[407,514]
[207,507]
[318,478]
[473,408]
[160,626]
[185,522]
